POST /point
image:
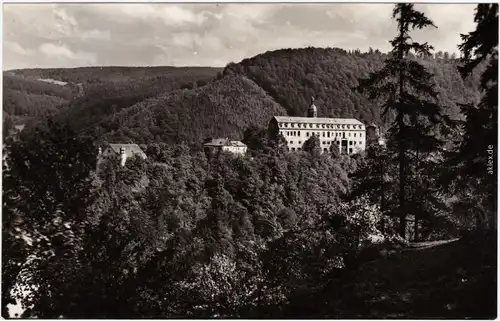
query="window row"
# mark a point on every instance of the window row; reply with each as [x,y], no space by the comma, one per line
[324,134]
[352,142]
[293,149]
[292,125]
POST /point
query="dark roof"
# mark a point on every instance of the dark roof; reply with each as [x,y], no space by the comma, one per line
[316,120]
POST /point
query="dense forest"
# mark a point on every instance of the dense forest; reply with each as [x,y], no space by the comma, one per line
[91,94]
[271,234]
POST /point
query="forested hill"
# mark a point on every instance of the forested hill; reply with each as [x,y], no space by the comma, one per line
[188,104]
[85,75]
[91,93]
[292,76]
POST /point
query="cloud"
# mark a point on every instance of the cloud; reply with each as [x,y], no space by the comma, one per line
[62,52]
[95,34]
[170,34]
[171,15]
[16,48]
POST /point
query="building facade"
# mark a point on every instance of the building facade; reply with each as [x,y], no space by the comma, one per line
[119,152]
[346,134]
[226,145]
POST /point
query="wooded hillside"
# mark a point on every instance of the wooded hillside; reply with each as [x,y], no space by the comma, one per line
[146,104]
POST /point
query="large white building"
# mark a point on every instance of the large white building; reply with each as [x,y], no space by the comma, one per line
[347,134]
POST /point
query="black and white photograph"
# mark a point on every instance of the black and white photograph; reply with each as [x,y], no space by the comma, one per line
[231,160]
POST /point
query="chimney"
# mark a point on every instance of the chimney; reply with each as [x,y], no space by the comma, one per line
[123,156]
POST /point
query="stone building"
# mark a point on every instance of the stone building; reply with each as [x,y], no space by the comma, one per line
[119,152]
[226,145]
[348,134]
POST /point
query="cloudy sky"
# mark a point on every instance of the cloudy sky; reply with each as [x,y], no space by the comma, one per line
[71,35]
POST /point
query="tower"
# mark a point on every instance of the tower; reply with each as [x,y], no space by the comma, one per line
[98,159]
[123,156]
[312,111]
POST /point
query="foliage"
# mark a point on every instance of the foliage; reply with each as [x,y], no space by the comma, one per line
[472,166]
[46,184]
[405,87]
[312,146]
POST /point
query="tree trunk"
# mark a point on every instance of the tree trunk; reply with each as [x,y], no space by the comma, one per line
[402,163]
[416,228]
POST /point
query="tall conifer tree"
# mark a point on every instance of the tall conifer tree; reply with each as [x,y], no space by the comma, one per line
[474,162]
[406,89]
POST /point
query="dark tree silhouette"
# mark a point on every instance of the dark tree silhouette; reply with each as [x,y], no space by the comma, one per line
[473,165]
[407,91]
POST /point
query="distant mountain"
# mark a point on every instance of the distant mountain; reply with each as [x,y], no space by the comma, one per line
[171,104]
[293,76]
[25,99]
[104,74]
[90,94]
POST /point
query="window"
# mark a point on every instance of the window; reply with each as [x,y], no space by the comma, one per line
[324,142]
[348,126]
[354,142]
[354,134]
[286,125]
[293,148]
[350,142]
[293,125]
[310,125]
[349,134]
[361,142]
[328,134]
[298,133]
[298,125]
[317,125]
[325,149]
[300,142]
[299,149]
[360,134]
[323,134]
[291,142]
[307,134]
[323,126]
[350,150]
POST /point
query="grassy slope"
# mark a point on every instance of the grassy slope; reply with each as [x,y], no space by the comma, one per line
[453,280]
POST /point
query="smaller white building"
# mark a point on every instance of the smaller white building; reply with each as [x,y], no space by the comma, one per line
[226,145]
[120,152]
